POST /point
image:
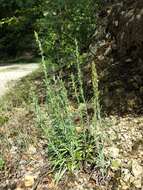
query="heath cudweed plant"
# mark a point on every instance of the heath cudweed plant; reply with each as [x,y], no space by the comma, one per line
[73,141]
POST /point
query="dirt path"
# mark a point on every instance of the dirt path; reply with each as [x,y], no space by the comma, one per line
[11,73]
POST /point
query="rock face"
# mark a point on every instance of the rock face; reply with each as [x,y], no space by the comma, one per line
[126,27]
[118,53]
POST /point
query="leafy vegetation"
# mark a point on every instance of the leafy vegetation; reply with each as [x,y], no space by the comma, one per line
[74,140]
[57,22]
[17,22]
[64,21]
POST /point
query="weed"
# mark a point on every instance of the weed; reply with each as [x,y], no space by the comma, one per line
[74,141]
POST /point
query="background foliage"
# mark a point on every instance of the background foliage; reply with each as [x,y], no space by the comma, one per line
[17,23]
[58,22]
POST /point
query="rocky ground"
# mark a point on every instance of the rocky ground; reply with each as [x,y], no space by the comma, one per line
[26,162]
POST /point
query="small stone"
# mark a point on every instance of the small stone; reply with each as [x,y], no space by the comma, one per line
[138,182]
[126,175]
[137,170]
[116,164]
[101,57]
[28,180]
[32,149]
[124,185]
[116,23]
[114,152]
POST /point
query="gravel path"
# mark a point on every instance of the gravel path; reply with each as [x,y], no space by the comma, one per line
[11,73]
